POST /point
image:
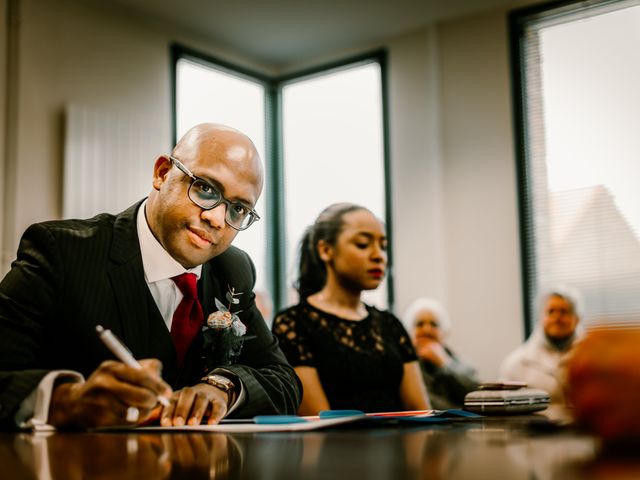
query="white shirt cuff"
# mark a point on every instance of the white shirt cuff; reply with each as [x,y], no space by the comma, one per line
[34,409]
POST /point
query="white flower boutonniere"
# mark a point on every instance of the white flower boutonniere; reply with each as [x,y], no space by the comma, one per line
[223,334]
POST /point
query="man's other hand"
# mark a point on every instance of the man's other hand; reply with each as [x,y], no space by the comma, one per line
[191,404]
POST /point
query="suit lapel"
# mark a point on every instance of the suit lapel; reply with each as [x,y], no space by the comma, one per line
[208,290]
[142,327]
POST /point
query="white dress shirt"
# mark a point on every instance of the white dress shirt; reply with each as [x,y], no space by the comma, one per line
[159,268]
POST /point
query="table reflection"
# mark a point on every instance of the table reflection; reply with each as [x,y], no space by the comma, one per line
[127,456]
[492,448]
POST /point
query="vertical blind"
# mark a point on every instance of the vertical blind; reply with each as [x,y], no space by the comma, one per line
[580,112]
[108,159]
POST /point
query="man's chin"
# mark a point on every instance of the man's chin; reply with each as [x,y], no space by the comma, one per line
[559,336]
[193,259]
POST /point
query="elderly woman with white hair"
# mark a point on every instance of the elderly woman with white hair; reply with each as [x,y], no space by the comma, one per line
[447,379]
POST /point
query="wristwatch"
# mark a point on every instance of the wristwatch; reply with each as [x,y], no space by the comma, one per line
[223,383]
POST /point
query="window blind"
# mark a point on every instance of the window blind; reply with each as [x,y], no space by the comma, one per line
[579,72]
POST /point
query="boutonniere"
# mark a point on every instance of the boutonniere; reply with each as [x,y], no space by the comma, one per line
[224,333]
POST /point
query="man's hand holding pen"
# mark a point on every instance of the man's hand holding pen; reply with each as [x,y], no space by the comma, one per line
[109,396]
[129,392]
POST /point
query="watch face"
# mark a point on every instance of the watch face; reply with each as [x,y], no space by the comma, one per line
[223,383]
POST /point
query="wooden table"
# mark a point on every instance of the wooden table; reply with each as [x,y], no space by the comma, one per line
[491,448]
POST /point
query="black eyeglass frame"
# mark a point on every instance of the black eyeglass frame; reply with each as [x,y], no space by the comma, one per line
[253,215]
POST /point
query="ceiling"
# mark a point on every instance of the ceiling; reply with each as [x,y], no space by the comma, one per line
[282,33]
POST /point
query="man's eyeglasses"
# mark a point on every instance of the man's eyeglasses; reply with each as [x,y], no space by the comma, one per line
[207,196]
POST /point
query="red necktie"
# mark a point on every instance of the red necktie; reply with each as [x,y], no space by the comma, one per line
[188,317]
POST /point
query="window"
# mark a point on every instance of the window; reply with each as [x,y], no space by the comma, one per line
[208,94]
[577,74]
[333,152]
[321,135]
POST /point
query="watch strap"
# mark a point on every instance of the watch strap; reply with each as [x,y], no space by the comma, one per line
[222,383]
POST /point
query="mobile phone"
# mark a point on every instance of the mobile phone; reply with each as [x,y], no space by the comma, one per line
[509,400]
[506,385]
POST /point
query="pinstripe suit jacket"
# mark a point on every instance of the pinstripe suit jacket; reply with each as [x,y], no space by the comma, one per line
[71,275]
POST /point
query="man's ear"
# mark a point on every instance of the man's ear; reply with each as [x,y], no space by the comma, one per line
[325,251]
[160,171]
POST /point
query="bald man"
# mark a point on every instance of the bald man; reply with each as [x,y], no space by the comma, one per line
[123,272]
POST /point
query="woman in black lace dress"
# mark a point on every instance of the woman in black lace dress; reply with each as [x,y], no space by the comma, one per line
[348,355]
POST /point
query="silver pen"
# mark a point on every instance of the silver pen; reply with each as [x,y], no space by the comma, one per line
[123,354]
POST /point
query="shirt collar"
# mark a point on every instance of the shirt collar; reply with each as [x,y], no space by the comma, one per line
[157,263]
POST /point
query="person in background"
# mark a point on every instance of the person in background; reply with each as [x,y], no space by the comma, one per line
[152,275]
[447,379]
[541,360]
[348,355]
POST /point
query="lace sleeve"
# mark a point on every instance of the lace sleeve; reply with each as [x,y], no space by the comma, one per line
[290,330]
[404,342]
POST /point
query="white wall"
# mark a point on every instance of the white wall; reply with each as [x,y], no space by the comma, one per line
[82,52]
[4,45]
[454,184]
[453,180]
[483,258]
[419,244]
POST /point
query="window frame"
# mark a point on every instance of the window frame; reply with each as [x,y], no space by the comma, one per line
[518,21]
[274,163]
